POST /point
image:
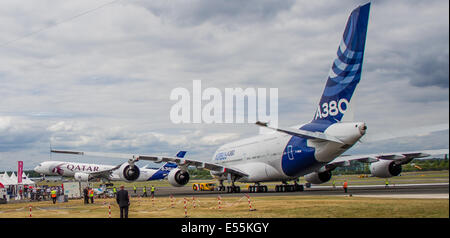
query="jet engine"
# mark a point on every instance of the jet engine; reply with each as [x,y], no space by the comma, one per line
[129,172]
[83,177]
[385,169]
[178,177]
[318,178]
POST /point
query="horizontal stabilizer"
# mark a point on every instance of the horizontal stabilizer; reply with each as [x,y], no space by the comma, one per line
[302,133]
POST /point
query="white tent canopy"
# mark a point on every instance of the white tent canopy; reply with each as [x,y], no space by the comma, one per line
[27,180]
[6,180]
[12,180]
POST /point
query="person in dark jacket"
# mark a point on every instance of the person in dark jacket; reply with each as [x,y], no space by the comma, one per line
[85,194]
[124,202]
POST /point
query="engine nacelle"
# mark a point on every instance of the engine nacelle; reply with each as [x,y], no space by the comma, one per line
[83,177]
[178,177]
[385,169]
[318,178]
[129,172]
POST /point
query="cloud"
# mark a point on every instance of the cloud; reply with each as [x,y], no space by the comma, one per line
[220,12]
[218,139]
[16,134]
[432,70]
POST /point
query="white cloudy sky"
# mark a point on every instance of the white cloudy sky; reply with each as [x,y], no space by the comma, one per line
[96,75]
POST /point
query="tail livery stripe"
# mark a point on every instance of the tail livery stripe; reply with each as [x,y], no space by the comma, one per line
[345,72]
[181,154]
[164,170]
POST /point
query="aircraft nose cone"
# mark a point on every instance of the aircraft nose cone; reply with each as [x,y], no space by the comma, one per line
[362,128]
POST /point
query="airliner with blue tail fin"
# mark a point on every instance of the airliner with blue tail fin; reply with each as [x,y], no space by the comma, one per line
[122,172]
[312,149]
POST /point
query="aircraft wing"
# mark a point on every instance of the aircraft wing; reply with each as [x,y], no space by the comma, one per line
[398,157]
[158,159]
[197,163]
[105,173]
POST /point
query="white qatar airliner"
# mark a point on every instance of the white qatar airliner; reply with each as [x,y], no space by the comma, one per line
[88,172]
[311,150]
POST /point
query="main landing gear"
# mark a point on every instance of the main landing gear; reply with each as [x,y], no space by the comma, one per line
[233,189]
[230,189]
[257,188]
[289,187]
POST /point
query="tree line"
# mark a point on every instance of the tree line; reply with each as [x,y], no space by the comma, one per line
[354,168]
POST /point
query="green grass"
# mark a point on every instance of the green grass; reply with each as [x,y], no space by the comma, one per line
[237,207]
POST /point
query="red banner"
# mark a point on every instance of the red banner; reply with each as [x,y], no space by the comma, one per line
[19,172]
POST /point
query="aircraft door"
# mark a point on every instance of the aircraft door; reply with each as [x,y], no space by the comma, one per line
[290,152]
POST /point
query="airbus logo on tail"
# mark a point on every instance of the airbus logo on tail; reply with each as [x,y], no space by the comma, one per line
[331,108]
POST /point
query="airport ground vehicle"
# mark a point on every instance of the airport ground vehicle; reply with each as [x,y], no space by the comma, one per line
[203,186]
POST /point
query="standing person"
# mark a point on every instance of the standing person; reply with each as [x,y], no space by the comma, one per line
[46,193]
[123,200]
[387,184]
[145,191]
[153,191]
[38,193]
[345,186]
[134,187]
[91,195]
[25,191]
[33,194]
[85,195]
[334,183]
[53,194]
[115,191]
